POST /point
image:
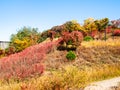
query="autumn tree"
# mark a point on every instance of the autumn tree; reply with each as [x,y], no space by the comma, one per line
[24,38]
[115,23]
[89,26]
[58,30]
[101,25]
[69,26]
[73,26]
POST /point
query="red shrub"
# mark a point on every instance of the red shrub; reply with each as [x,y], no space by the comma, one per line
[116,32]
[108,29]
[74,36]
[94,33]
[26,63]
[70,40]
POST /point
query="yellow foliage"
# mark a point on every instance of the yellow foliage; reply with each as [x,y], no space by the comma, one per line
[89,25]
[73,25]
[21,44]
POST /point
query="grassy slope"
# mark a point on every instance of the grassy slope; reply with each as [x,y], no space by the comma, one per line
[96,60]
[93,53]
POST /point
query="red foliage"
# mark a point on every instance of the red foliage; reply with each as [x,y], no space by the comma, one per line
[93,33]
[116,32]
[108,29]
[75,36]
[26,63]
[70,38]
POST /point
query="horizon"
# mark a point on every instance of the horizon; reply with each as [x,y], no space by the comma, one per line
[45,14]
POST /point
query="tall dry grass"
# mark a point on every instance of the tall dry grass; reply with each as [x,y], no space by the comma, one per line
[109,42]
[68,78]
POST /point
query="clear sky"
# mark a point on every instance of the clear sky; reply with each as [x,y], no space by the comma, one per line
[44,14]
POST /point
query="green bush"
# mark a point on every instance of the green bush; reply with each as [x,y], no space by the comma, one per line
[71,55]
[88,38]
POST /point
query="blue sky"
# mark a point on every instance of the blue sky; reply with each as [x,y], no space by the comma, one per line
[44,14]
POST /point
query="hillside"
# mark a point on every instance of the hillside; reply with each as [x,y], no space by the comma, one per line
[59,44]
[47,68]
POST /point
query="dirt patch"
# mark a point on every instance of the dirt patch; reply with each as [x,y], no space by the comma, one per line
[111,84]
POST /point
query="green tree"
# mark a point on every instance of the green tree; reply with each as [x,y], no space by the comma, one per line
[24,38]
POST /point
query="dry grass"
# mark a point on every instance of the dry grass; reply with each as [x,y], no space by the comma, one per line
[86,56]
[109,42]
[68,78]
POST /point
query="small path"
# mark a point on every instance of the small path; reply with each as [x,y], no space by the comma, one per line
[110,84]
